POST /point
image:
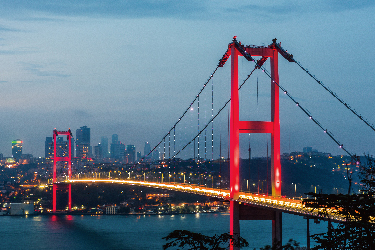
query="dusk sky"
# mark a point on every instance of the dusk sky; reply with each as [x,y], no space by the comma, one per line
[133,67]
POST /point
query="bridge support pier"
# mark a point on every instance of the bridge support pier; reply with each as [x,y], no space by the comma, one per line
[234,221]
[277,227]
[247,212]
[59,186]
[308,234]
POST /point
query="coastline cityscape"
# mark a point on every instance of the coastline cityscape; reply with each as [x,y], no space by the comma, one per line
[26,179]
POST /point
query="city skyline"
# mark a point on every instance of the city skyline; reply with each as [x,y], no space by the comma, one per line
[133,67]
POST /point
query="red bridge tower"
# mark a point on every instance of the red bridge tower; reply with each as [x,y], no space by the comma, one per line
[67,159]
[237,211]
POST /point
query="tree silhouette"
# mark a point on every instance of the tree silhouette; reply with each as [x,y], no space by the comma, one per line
[197,241]
[358,230]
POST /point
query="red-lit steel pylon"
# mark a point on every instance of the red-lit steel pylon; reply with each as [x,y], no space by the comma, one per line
[67,159]
[236,49]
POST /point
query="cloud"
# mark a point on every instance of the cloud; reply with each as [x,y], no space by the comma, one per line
[124,8]
[291,8]
[81,113]
[8,52]
[343,5]
[40,70]
[5,29]
[182,9]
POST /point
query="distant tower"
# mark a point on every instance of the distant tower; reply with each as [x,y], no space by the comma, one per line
[98,151]
[17,149]
[104,146]
[118,151]
[147,149]
[114,139]
[83,142]
[307,149]
[139,156]
[48,148]
[117,148]
[155,155]
[130,150]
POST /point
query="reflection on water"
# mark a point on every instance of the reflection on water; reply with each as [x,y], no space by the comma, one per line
[133,231]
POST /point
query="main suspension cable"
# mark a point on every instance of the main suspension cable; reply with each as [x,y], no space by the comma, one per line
[337,97]
[191,104]
[290,58]
[306,111]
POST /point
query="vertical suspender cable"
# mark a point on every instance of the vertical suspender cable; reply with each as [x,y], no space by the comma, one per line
[174,140]
[198,128]
[164,149]
[212,123]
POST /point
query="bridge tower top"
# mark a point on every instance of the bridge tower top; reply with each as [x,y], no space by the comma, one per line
[56,158]
[271,51]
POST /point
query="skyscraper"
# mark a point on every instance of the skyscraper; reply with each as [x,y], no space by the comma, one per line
[155,155]
[83,142]
[104,146]
[48,148]
[117,151]
[98,150]
[147,149]
[62,147]
[139,156]
[17,149]
[114,138]
[130,150]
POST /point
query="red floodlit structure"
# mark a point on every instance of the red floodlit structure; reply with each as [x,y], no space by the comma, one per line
[272,127]
[67,159]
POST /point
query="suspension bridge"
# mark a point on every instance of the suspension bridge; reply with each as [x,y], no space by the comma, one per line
[243,206]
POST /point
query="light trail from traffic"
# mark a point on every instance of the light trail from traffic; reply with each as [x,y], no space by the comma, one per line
[286,205]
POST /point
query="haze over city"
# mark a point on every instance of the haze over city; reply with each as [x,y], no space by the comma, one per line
[131,68]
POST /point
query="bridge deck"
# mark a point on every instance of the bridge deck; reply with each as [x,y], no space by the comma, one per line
[286,205]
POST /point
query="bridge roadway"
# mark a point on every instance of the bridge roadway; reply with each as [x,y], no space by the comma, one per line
[284,204]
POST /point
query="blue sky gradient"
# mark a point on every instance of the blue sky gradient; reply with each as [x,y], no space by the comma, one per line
[132,68]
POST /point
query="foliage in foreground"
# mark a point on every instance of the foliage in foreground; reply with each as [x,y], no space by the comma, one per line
[197,241]
[358,232]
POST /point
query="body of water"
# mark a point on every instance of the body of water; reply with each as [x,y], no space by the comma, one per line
[141,232]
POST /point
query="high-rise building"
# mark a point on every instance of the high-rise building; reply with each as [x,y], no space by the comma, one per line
[83,142]
[104,146]
[147,149]
[307,149]
[48,148]
[118,151]
[61,145]
[98,150]
[130,152]
[114,139]
[17,149]
[139,156]
[155,155]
